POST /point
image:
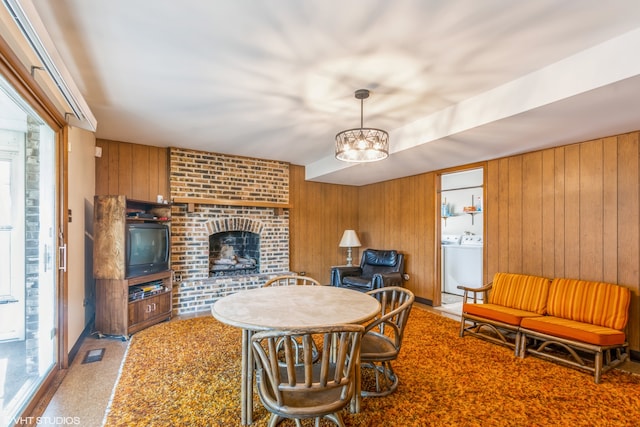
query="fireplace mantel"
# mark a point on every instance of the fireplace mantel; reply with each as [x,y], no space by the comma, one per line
[192,201]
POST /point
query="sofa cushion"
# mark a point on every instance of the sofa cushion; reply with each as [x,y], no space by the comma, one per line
[597,303]
[511,316]
[520,291]
[573,330]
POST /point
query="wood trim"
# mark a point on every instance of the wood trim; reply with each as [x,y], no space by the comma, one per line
[191,201]
[63,240]
[19,78]
[15,73]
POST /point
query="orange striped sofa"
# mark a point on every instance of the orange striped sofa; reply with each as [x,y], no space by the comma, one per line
[564,320]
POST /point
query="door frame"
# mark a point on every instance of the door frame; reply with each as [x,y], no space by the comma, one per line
[15,73]
[437,292]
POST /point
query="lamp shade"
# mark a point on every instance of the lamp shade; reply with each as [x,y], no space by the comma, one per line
[349,239]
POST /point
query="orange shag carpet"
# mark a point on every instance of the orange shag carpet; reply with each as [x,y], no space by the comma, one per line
[187,373]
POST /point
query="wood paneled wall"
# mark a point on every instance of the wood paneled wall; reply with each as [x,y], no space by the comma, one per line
[318,216]
[396,214]
[400,214]
[571,211]
[140,172]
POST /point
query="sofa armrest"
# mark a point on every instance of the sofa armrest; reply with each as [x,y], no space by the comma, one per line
[381,280]
[339,272]
[484,290]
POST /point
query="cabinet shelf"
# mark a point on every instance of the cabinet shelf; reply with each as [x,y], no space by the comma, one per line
[134,219]
[161,211]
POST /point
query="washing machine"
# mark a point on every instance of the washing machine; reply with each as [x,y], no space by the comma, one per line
[462,264]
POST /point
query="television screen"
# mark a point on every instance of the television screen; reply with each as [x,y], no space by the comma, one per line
[147,248]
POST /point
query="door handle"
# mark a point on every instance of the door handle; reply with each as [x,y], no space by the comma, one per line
[63,258]
[47,258]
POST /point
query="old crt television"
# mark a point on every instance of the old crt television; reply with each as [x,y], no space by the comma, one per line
[148,248]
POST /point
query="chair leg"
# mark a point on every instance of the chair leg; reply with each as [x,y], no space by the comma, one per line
[597,370]
[274,420]
[521,351]
[462,324]
[336,417]
[386,381]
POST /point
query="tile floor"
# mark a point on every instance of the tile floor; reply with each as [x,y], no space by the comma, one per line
[86,389]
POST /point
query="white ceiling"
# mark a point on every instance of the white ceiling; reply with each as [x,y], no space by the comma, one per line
[453,81]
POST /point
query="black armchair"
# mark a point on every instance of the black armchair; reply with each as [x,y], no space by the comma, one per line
[378,268]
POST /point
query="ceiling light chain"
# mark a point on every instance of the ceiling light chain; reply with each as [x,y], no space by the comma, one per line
[363,144]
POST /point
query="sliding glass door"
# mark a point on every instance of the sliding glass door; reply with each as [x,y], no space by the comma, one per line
[28,255]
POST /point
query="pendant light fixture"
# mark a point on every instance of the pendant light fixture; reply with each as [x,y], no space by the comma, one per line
[362,144]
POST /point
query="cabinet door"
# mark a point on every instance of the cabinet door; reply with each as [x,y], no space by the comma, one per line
[163,304]
[148,308]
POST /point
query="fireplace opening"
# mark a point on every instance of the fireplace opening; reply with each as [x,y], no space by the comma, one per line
[233,253]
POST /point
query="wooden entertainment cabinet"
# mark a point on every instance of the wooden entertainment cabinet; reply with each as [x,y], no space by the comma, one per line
[120,310]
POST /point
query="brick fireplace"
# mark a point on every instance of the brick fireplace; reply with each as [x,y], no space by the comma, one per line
[234,247]
[199,232]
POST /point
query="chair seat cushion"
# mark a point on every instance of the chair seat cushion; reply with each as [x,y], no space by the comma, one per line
[301,404]
[573,330]
[305,403]
[374,347]
[499,313]
[357,281]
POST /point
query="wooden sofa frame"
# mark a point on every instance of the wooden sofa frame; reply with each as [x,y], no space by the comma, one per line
[497,332]
[567,351]
[543,346]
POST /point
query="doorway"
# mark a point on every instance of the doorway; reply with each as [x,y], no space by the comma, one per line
[28,237]
[462,230]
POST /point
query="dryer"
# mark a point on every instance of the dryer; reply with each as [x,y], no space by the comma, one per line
[462,264]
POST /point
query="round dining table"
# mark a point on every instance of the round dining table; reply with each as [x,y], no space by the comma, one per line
[288,307]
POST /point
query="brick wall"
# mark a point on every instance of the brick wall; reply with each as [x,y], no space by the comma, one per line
[202,174]
[32,245]
[216,176]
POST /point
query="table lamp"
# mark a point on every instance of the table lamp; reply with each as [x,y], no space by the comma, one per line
[349,240]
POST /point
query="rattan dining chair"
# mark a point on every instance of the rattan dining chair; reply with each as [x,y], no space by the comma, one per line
[382,341]
[308,390]
[295,280]
[291,280]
